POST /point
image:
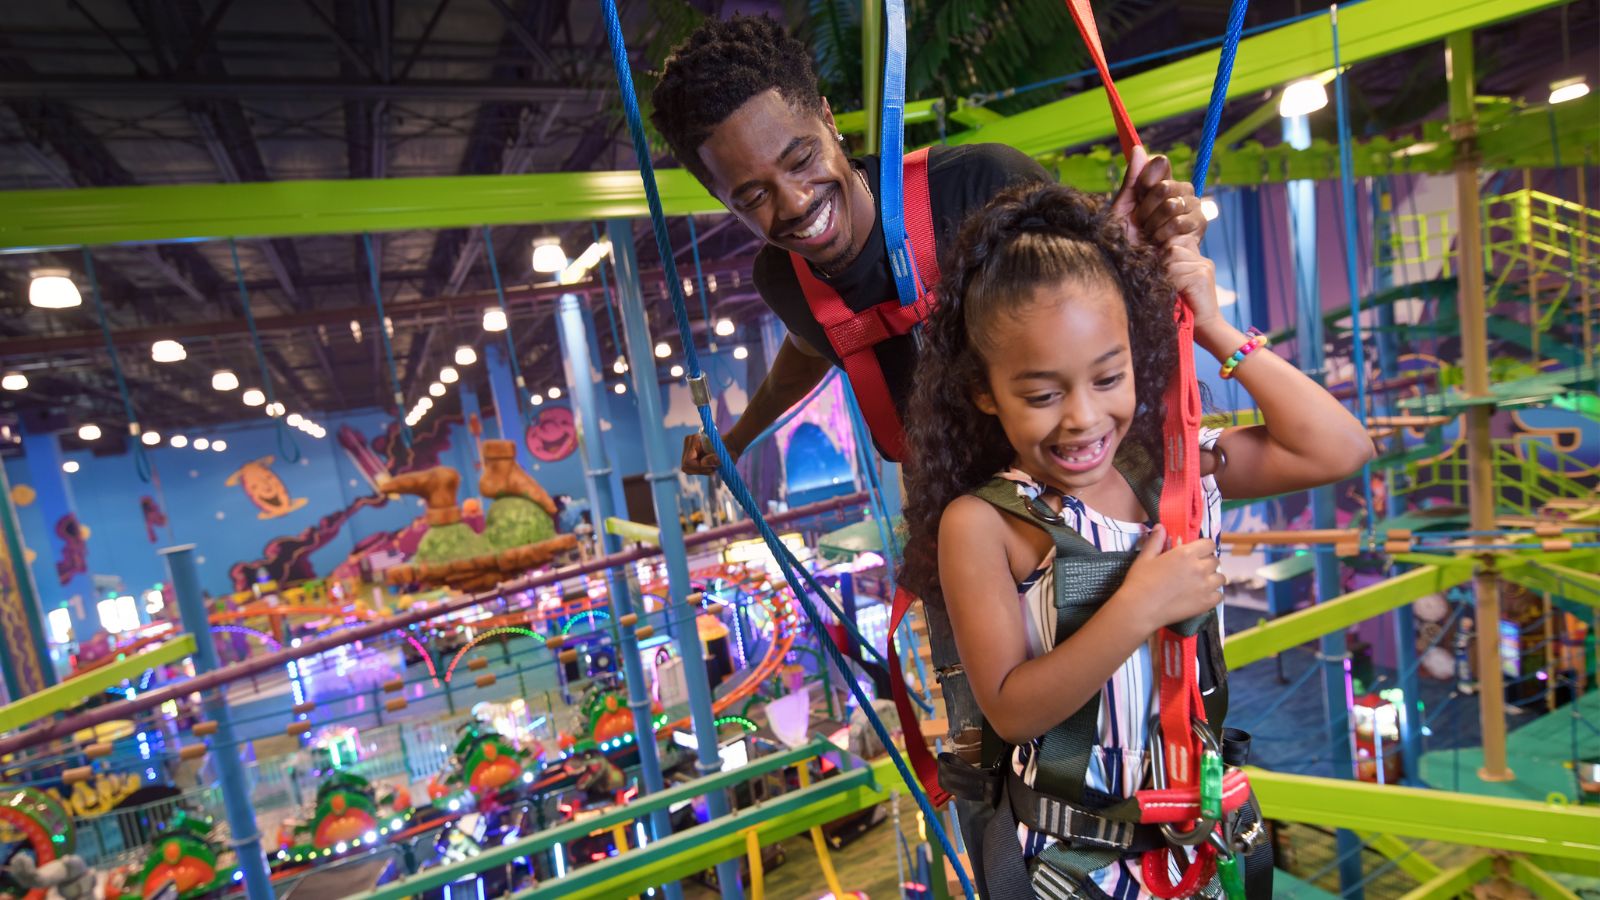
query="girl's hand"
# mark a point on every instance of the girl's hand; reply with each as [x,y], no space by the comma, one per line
[1195,277]
[1153,207]
[1165,587]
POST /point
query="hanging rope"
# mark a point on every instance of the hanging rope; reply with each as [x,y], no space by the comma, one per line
[803,590]
[286,444]
[1347,186]
[700,284]
[511,346]
[383,335]
[141,463]
[1219,94]
[605,285]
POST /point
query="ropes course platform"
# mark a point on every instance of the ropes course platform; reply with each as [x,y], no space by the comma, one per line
[1539,753]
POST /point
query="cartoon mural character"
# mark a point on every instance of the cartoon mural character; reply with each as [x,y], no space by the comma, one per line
[74,537]
[265,489]
[554,435]
[153,516]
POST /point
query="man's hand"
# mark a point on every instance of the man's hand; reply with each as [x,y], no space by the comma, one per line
[1152,206]
[699,458]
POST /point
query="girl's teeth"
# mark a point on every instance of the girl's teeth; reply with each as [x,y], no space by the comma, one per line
[1088,453]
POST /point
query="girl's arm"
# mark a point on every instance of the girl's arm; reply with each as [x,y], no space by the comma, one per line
[1023,698]
[1309,438]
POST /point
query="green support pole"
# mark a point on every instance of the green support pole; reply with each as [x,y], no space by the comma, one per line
[871,72]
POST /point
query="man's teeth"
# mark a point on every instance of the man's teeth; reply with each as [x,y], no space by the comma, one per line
[824,219]
[1084,454]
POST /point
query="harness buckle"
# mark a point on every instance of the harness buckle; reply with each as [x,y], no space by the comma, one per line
[1204,827]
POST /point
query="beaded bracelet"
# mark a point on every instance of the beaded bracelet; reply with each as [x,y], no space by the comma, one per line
[1256,341]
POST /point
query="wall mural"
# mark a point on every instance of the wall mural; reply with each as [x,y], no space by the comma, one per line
[265,489]
[287,559]
[553,435]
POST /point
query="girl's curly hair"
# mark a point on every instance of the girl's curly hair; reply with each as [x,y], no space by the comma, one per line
[1026,236]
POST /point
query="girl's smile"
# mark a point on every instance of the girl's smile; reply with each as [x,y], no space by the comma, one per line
[1063,389]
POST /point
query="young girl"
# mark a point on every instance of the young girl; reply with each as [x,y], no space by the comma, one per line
[1045,365]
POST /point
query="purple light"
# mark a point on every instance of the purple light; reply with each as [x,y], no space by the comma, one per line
[1542,675]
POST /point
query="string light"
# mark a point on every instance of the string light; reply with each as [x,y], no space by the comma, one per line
[219,445]
[179,441]
[436,389]
[150,438]
[201,443]
[449,375]
[224,380]
[275,409]
[465,355]
[294,420]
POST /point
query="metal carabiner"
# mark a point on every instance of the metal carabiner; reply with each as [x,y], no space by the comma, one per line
[1204,828]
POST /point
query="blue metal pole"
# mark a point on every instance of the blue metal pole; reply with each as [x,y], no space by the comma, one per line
[246,840]
[1302,200]
[597,471]
[470,411]
[507,412]
[663,478]
[53,499]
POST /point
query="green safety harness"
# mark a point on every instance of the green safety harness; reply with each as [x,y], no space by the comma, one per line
[1094,828]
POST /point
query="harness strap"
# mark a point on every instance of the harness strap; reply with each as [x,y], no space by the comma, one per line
[855,335]
[917,753]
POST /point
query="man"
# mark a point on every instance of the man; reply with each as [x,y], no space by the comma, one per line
[738,105]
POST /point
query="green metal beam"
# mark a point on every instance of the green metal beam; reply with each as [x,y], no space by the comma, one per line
[1539,881]
[1404,856]
[1367,30]
[917,112]
[700,848]
[1494,823]
[1452,882]
[643,805]
[1297,628]
[1551,578]
[58,698]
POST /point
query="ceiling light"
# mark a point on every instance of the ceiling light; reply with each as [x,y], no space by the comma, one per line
[663,350]
[274,409]
[53,289]
[548,257]
[89,432]
[1208,208]
[688,287]
[180,441]
[1560,91]
[436,389]
[465,355]
[69,466]
[711,284]
[677,371]
[620,366]
[253,397]
[494,319]
[388,326]
[555,393]
[168,352]
[740,352]
[425,403]
[224,380]
[537,399]
[355,330]
[295,419]
[14,381]
[1302,98]
[579,268]
[201,443]
[219,445]
[150,438]
[449,375]
[724,327]
[620,388]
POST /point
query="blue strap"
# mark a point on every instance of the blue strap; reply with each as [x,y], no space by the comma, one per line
[891,159]
[799,579]
[1348,192]
[286,443]
[1219,94]
[383,335]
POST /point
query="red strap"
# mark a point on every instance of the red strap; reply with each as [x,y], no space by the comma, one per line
[853,335]
[917,752]
[1083,15]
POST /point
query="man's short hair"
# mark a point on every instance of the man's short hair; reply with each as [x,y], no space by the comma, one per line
[717,70]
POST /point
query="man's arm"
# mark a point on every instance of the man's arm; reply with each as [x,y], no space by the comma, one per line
[797,370]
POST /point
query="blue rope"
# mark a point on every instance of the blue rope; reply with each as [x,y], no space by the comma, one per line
[1219,94]
[1347,187]
[141,463]
[511,345]
[730,474]
[291,451]
[383,335]
[700,282]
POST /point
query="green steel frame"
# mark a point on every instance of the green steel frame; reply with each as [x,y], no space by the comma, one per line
[70,693]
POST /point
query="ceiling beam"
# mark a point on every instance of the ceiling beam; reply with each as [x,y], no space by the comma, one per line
[99,87]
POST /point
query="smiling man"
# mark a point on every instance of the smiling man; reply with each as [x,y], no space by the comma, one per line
[739,105]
